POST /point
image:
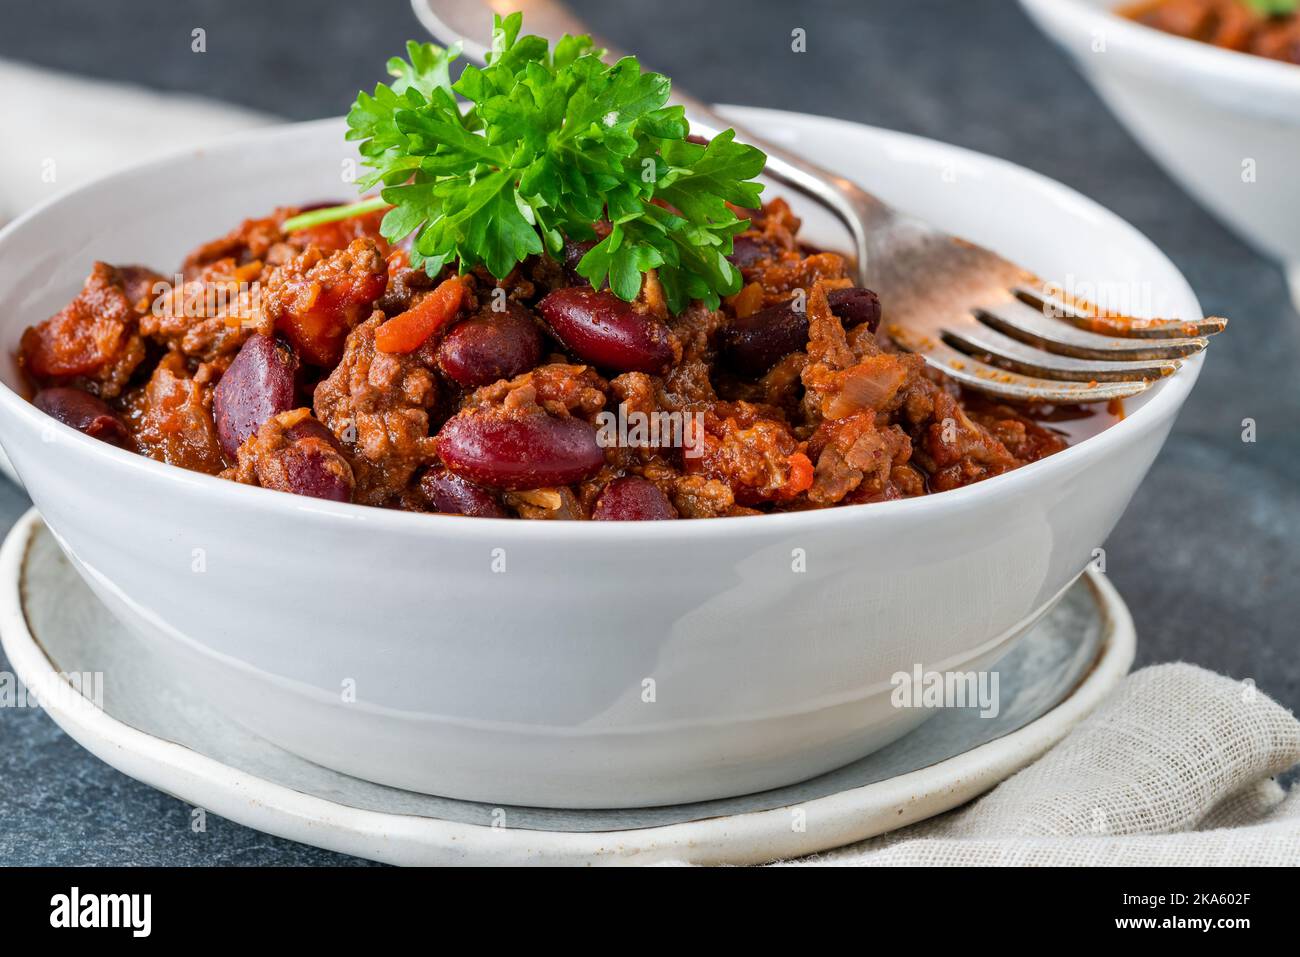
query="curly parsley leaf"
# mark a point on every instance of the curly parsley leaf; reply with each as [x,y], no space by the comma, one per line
[553,141]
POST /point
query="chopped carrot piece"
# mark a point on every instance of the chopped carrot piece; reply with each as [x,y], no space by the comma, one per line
[407,331]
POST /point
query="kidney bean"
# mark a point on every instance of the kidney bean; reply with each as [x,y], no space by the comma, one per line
[606,331]
[490,346]
[313,468]
[632,499]
[308,461]
[258,385]
[139,282]
[753,344]
[747,250]
[574,250]
[85,413]
[532,451]
[450,494]
[310,428]
[855,307]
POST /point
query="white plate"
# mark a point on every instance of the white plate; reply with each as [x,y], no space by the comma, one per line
[155,730]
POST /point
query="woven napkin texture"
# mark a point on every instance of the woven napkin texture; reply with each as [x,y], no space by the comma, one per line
[1175,768]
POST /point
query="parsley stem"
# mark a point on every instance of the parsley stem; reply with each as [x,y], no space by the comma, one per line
[318,216]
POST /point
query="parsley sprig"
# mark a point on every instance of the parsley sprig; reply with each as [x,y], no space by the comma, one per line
[552,142]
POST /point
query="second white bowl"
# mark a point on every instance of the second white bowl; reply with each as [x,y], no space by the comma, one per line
[1225,124]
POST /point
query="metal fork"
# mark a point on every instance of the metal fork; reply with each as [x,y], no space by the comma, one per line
[991,325]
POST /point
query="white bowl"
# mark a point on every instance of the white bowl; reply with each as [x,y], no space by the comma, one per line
[569,664]
[1225,124]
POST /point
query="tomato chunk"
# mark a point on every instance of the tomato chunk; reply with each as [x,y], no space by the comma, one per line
[317,300]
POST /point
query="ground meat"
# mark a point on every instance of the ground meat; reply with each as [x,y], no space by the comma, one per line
[1280,42]
[1024,438]
[547,275]
[556,388]
[694,496]
[341,233]
[905,481]
[853,455]
[315,299]
[771,237]
[953,449]
[171,418]
[94,343]
[378,404]
[793,272]
[264,240]
[844,377]
[637,392]
[209,317]
[404,283]
[696,330]
[547,504]
[753,452]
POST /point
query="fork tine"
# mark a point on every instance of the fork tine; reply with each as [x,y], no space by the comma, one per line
[990,379]
[1086,316]
[1022,321]
[980,341]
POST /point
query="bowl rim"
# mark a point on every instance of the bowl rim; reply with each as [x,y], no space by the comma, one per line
[1170,55]
[1163,402]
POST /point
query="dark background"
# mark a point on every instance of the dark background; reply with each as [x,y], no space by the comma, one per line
[1208,555]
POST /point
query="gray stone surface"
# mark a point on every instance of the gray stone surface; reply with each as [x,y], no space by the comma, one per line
[1208,554]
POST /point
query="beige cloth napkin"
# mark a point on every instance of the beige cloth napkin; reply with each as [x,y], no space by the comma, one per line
[1175,768]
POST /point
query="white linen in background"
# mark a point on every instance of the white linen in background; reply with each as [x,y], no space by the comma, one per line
[81,129]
